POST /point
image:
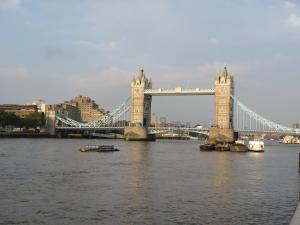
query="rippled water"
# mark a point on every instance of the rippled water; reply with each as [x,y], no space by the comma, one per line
[48,181]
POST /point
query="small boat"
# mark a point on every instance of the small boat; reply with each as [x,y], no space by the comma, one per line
[256,146]
[239,146]
[99,148]
[207,147]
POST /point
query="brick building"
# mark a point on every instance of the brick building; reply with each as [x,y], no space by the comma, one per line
[89,110]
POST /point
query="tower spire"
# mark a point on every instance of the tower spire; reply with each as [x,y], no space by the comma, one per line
[142,73]
[225,71]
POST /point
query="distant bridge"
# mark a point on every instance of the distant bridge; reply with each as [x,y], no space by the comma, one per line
[246,120]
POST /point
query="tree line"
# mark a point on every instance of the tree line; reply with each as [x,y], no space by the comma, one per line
[33,120]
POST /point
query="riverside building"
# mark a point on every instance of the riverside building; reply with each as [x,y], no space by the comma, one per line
[20,110]
[88,109]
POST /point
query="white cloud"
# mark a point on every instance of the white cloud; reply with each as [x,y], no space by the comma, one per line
[14,73]
[11,4]
[113,44]
[289,4]
[214,41]
[293,20]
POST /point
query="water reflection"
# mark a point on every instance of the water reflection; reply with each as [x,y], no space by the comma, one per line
[138,154]
[221,178]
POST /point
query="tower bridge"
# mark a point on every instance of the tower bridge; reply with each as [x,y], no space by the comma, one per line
[141,98]
[230,113]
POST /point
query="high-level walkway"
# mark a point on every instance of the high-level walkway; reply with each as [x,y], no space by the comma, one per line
[178,91]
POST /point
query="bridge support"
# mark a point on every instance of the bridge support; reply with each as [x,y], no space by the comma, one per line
[137,134]
[50,120]
[140,110]
[223,131]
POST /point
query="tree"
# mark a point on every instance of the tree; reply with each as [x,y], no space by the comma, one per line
[33,120]
[3,118]
[13,120]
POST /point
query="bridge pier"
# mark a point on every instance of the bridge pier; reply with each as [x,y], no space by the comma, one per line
[221,135]
[138,134]
[50,120]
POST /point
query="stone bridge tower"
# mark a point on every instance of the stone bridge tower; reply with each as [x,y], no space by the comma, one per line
[223,127]
[140,109]
[140,103]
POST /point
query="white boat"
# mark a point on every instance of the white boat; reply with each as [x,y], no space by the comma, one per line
[256,146]
[289,140]
[240,141]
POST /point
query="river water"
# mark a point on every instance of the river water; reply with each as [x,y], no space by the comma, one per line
[48,181]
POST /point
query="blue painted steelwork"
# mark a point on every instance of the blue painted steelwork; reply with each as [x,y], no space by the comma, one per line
[248,120]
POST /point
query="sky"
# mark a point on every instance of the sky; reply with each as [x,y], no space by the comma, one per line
[55,50]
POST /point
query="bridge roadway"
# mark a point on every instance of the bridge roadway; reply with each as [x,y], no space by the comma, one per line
[179,91]
[253,132]
[155,130]
[152,130]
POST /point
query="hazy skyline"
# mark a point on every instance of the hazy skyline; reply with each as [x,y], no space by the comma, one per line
[55,50]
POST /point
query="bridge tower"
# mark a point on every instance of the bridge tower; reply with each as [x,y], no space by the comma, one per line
[140,109]
[223,128]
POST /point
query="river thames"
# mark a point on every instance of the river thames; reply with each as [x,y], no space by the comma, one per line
[48,181]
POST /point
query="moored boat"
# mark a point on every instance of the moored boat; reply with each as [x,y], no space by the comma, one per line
[289,140]
[99,148]
[207,147]
[239,146]
[256,146]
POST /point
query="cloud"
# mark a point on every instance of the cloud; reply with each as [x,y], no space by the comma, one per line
[107,79]
[289,5]
[10,4]
[14,73]
[89,45]
[214,41]
[53,51]
[97,46]
[113,44]
[293,20]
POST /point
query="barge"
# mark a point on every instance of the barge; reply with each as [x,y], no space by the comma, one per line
[99,148]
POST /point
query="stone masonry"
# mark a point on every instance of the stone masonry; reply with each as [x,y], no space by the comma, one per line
[223,128]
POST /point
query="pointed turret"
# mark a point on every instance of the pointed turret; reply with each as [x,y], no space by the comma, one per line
[225,72]
[142,74]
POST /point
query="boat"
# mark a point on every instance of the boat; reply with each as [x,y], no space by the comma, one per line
[222,147]
[239,146]
[289,140]
[98,148]
[240,142]
[207,147]
[256,146]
